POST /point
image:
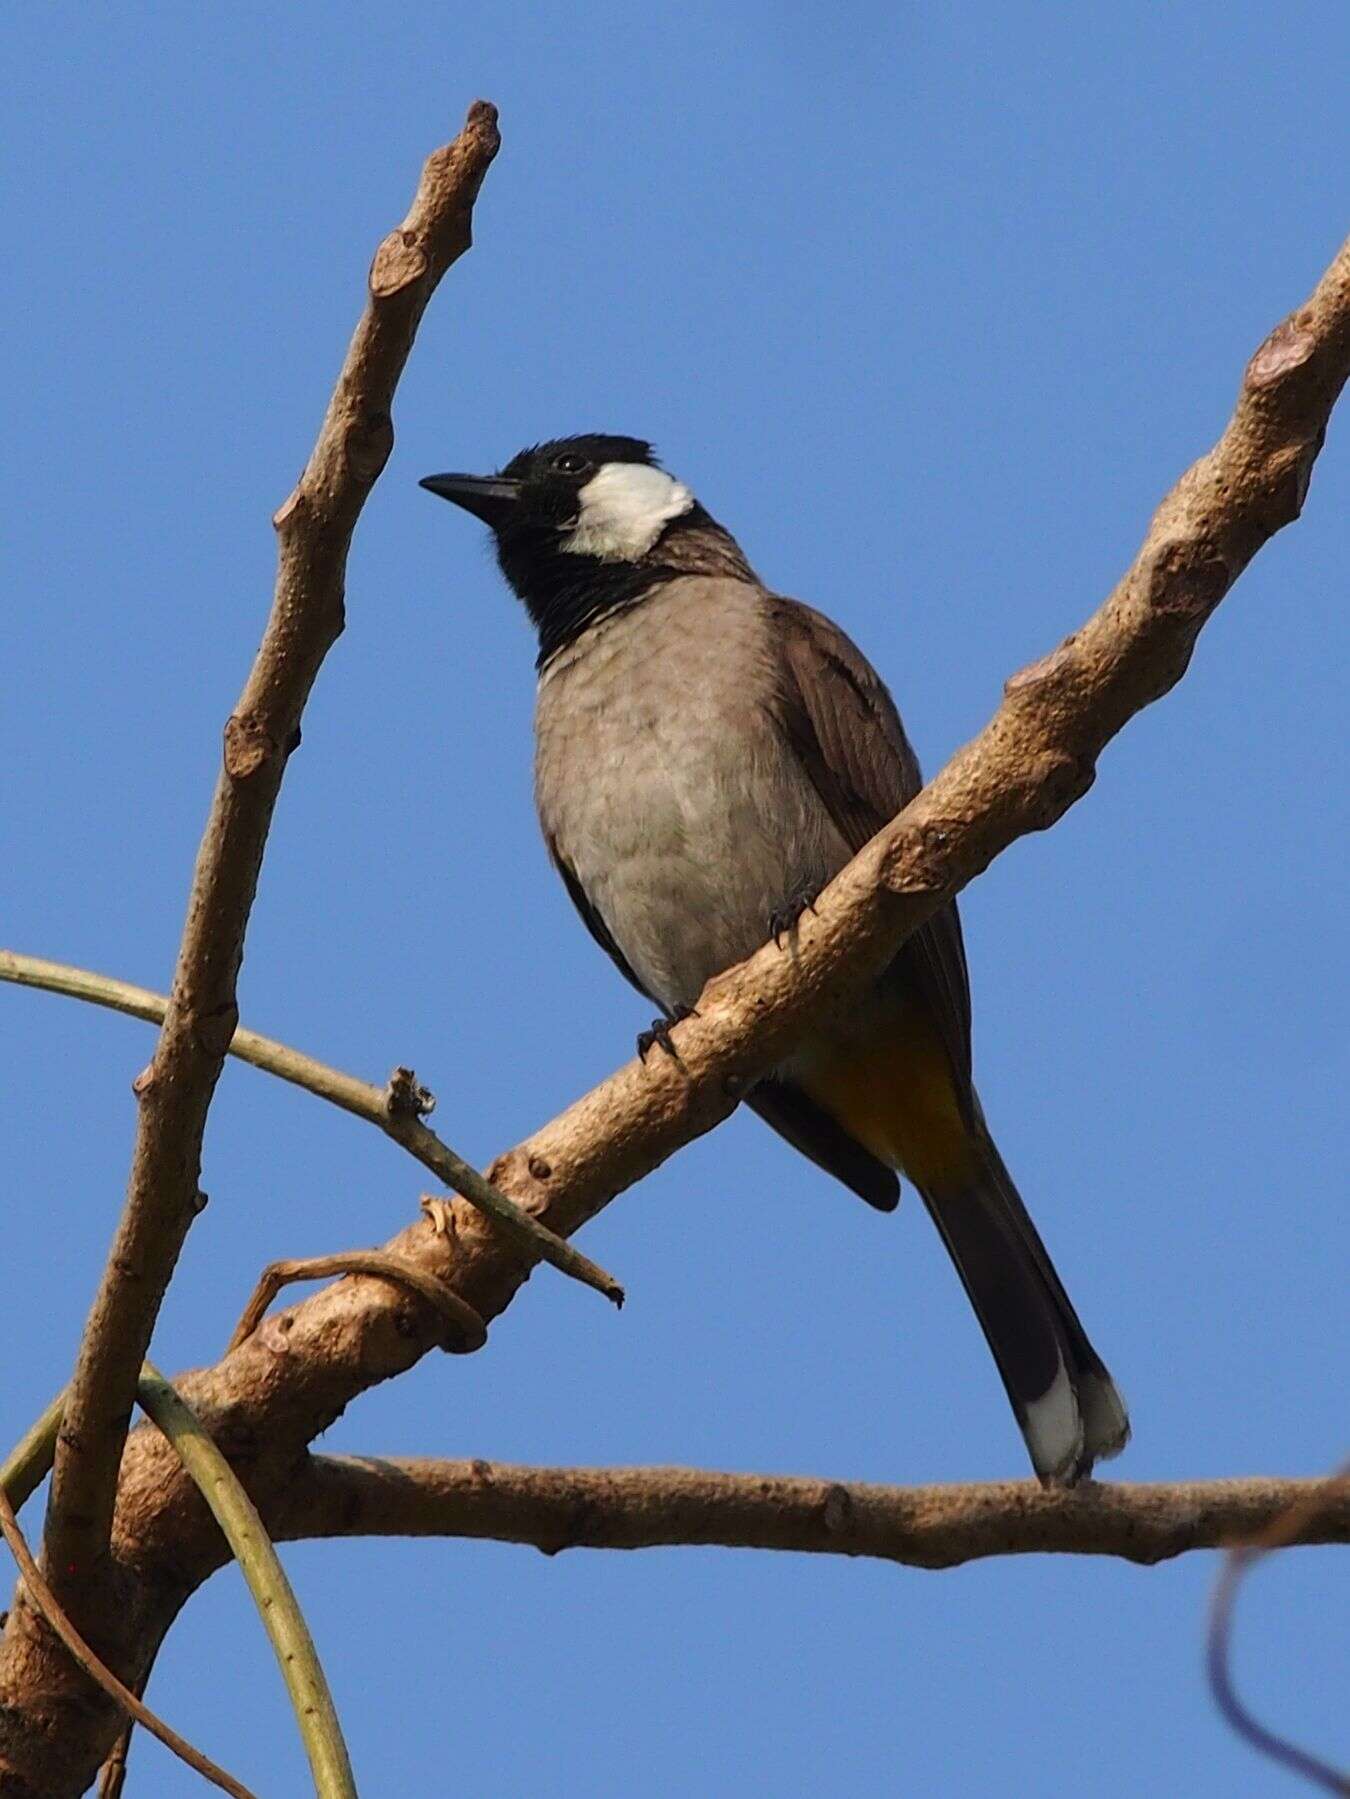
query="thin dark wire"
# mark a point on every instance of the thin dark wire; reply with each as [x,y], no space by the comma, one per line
[1237,1562]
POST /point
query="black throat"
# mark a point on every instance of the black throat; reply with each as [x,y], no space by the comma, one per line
[565,594]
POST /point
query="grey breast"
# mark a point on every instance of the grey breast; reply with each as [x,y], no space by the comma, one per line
[666,787]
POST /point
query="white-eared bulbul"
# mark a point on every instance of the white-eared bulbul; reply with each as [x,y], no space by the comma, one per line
[708,756]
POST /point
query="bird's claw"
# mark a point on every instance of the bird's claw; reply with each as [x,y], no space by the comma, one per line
[783,919]
[660,1033]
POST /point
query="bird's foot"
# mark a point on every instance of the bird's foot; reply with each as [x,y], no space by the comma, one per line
[783,919]
[660,1033]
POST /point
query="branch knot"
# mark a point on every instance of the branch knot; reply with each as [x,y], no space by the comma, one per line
[1287,348]
[406,1097]
[249,746]
[1187,579]
[398,263]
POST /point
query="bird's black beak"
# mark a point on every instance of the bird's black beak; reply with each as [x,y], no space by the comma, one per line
[488,497]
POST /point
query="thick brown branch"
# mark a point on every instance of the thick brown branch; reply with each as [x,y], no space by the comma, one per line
[314,529]
[923,1527]
[270,1397]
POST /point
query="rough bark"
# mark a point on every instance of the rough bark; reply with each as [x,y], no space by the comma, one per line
[921,1527]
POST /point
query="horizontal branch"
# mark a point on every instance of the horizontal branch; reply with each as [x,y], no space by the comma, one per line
[922,1527]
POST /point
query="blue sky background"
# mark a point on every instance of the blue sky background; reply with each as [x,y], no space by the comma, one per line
[931,308]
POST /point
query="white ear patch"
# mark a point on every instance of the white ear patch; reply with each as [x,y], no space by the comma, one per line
[625,507]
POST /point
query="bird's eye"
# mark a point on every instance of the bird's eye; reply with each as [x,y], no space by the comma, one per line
[570,464]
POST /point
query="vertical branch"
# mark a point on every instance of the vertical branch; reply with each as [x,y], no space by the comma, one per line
[314,528]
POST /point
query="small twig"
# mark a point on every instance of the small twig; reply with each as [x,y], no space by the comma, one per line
[465,1330]
[46,1603]
[277,1605]
[1289,1525]
[30,1461]
[393,1109]
[113,1776]
[423,1144]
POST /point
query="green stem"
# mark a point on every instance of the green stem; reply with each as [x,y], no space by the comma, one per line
[30,1461]
[272,1593]
[358,1097]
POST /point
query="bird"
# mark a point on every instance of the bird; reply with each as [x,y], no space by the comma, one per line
[708,755]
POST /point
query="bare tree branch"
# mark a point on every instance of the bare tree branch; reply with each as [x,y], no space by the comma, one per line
[921,1527]
[314,529]
[271,1396]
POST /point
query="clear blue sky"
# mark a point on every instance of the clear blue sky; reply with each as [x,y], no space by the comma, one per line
[930,310]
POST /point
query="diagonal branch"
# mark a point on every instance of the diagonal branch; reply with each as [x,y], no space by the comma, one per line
[1037,755]
[1030,763]
[314,529]
[921,1527]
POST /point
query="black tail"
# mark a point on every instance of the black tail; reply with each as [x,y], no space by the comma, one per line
[1065,1401]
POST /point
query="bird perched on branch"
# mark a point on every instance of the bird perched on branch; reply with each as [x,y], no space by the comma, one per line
[709,755]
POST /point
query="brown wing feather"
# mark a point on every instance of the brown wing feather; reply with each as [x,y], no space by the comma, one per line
[844,726]
[837,714]
[808,1128]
